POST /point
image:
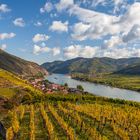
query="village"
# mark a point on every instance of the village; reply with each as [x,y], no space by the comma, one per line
[49,88]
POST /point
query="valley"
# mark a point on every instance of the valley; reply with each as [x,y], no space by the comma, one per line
[35,108]
[69,69]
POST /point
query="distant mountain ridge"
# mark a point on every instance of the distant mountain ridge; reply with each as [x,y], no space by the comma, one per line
[91,65]
[130,70]
[19,66]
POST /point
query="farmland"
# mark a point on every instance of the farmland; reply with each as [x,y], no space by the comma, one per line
[72,117]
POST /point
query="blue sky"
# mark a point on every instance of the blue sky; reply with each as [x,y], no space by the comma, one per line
[43,30]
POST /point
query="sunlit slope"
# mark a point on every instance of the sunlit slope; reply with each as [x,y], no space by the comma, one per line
[10,85]
[70,120]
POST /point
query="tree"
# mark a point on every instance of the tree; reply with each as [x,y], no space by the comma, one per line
[65,85]
[80,87]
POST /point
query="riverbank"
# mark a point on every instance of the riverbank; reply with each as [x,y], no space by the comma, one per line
[120,81]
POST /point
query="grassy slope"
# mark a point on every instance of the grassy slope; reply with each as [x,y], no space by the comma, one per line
[10,84]
[12,92]
[122,81]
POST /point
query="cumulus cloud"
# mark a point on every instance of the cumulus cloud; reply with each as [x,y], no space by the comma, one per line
[118,4]
[79,30]
[7,35]
[38,24]
[40,37]
[3,46]
[112,42]
[121,52]
[4,8]
[19,22]
[133,34]
[74,51]
[59,26]
[38,49]
[47,8]
[103,24]
[124,39]
[64,4]
[56,51]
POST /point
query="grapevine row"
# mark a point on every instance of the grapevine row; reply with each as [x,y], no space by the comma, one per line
[92,132]
[102,116]
[32,125]
[48,123]
[63,124]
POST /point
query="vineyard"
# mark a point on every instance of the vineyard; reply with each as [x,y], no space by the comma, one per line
[74,120]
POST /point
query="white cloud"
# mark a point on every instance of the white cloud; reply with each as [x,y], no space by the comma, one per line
[64,4]
[103,24]
[95,3]
[121,52]
[38,49]
[19,22]
[7,35]
[133,34]
[79,30]
[40,37]
[74,51]
[3,46]
[38,24]
[47,8]
[4,8]
[124,39]
[112,42]
[56,51]
[59,26]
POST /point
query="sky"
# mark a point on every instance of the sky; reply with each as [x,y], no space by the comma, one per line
[49,30]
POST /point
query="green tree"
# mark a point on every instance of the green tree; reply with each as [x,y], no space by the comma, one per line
[80,87]
[66,85]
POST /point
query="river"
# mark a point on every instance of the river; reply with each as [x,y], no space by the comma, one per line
[96,89]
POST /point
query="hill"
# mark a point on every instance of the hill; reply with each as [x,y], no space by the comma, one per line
[130,70]
[19,66]
[14,91]
[90,65]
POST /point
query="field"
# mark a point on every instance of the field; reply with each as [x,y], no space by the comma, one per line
[70,117]
[131,82]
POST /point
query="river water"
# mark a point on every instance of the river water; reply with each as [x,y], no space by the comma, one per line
[96,89]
